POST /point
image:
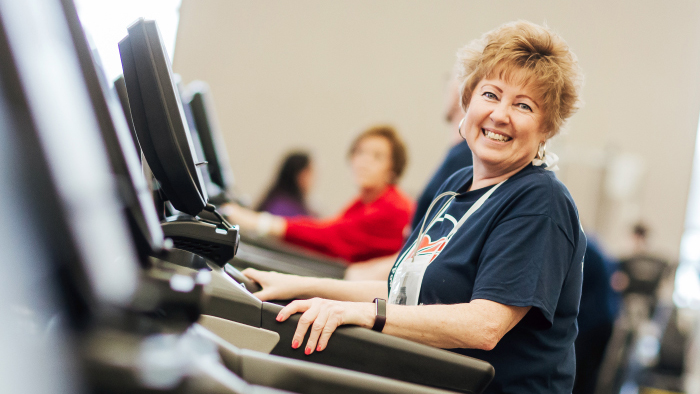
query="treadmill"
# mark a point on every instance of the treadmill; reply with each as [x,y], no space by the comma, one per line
[63,195]
[127,329]
[259,253]
[352,348]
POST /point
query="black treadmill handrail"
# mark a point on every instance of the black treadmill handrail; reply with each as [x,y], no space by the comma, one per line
[274,371]
[384,355]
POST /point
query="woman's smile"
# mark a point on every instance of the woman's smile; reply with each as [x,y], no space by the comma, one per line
[495,135]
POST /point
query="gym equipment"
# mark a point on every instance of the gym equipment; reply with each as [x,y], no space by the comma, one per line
[260,253]
[351,347]
[129,335]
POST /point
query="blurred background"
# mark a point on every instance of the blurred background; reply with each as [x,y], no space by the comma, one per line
[312,74]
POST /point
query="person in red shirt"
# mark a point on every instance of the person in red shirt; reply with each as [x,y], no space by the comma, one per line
[373,223]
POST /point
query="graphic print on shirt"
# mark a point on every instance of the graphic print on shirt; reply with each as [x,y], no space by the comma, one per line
[427,247]
[430,248]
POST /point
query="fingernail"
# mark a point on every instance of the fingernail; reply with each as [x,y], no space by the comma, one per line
[307,351]
[318,348]
[279,317]
[295,344]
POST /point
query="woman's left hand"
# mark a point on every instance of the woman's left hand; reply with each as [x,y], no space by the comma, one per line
[324,316]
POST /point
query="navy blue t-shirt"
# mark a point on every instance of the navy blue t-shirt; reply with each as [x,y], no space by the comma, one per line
[523,247]
[458,157]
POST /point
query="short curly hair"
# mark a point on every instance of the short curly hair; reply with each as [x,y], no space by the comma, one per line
[528,54]
[399,153]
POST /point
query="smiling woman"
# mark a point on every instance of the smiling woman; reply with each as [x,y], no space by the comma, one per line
[495,269]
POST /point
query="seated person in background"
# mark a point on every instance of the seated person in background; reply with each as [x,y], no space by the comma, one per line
[458,157]
[371,226]
[287,196]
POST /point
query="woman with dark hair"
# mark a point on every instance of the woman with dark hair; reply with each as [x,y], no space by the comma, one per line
[287,196]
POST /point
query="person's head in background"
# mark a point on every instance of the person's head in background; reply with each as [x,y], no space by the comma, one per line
[640,237]
[287,195]
[378,158]
[453,109]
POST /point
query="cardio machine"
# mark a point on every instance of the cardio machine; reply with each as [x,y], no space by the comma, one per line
[158,121]
[254,252]
[133,325]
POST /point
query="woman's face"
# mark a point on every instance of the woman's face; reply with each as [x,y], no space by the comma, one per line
[371,163]
[306,179]
[503,125]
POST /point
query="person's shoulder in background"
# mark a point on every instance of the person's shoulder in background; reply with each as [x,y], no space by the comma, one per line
[458,157]
[286,206]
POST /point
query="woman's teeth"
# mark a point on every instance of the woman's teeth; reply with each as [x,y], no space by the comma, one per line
[495,136]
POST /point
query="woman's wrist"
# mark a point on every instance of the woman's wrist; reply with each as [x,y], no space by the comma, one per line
[266,224]
[369,314]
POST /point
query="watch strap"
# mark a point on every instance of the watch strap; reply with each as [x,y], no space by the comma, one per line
[380,314]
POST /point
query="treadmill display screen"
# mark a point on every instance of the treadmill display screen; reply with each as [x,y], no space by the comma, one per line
[158,117]
[201,103]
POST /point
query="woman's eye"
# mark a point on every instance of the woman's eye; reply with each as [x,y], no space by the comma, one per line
[524,107]
[490,96]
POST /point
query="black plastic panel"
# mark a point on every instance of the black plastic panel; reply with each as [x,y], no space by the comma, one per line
[215,153]
[205,239]
[310,378]
[252,256]
[120,88]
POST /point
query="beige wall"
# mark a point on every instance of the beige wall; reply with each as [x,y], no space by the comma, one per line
[313,74]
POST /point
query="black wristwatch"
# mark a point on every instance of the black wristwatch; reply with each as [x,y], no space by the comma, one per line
[380,314]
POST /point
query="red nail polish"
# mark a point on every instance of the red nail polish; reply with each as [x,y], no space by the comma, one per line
[318,348]
[278,318]
[307,351]
[295,344]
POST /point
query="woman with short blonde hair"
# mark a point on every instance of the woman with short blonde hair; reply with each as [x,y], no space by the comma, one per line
[494,271]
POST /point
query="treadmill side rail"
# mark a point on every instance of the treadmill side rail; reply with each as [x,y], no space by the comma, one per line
[231,301]
[304,377]
[364,350]
[252,256]
[241,335]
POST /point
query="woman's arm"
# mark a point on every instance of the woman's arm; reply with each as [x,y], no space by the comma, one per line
[276,286]
[262,223]
[374,269]
[479,324]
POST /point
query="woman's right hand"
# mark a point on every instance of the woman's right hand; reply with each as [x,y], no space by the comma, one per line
[276,286]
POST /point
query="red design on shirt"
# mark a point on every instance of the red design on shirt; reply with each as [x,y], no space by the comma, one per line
[427,247]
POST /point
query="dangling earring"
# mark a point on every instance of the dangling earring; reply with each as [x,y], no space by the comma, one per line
[461,122]
[541,151]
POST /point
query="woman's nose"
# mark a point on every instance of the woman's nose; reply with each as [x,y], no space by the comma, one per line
[500,114]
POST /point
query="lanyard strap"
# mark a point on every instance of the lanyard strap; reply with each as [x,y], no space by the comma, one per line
[459,224]
[473,209]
